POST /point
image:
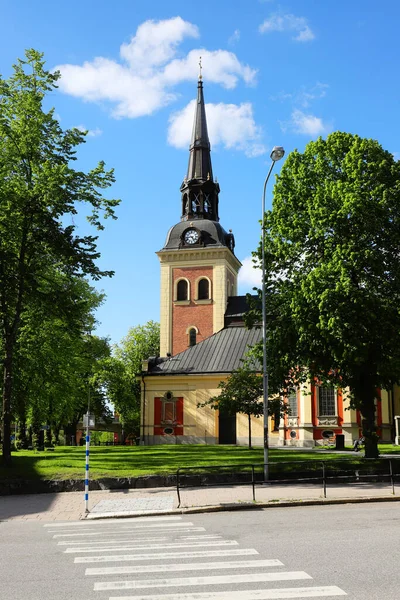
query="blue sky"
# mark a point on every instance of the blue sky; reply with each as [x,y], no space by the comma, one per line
[275,73]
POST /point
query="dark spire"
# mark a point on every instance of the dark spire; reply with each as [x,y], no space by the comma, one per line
[199,191]
[200,159]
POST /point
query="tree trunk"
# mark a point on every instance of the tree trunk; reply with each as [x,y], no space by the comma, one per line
[249,416]
[365,395]
[22,440]
[7,389]
[56,434]
[48,436]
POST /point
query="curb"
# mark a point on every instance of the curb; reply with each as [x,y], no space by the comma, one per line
[191,510]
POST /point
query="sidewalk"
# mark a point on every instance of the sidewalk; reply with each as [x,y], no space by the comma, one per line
[70,506]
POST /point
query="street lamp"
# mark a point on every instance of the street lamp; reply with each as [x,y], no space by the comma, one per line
[276,154]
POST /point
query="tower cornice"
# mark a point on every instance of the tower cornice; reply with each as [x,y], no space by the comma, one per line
[199,256]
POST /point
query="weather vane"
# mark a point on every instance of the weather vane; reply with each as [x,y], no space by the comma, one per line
[200,75]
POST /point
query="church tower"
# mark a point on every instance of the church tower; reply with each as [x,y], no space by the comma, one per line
[198,265]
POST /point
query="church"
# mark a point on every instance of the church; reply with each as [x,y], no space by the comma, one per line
[203,337]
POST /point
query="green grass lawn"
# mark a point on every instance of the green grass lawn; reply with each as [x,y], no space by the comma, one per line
[134,461]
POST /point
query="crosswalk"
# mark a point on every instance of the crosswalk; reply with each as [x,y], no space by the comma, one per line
[169,558]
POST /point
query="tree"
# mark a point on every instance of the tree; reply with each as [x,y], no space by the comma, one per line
[242,393]
[55,362]
[39,188]
[140,343]
[333,271]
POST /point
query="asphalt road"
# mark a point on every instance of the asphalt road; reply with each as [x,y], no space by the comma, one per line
[297,552]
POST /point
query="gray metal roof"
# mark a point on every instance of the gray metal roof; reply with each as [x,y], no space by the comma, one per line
[237,306]
[212,234]
[222,352]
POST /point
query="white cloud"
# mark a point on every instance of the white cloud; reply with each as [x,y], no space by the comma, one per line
[288,22]
[229,125]
[249,276]
[396,155]
[235,37]
[304,96]
[90,132]
[143,81]
[306,124]
[219,66]
[155,43]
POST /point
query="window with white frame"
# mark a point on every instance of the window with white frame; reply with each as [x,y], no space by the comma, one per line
[326,401]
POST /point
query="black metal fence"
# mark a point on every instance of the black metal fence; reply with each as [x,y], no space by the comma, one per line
[318,471]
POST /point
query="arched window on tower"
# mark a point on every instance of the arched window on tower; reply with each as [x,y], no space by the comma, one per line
[206,203]
[203,290]
[196,204]
[192,336]
[185,205]
[182,290]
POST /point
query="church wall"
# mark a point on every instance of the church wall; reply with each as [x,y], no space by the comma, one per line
[200,426]
[257,431]
[165,309]
[197,313]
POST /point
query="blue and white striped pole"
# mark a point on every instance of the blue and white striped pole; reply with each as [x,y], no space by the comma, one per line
[87,466]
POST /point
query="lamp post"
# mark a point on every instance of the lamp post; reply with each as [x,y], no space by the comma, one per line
[276,154]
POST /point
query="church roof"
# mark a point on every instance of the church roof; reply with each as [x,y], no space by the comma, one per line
[212,234]
[222,352]
[199,156]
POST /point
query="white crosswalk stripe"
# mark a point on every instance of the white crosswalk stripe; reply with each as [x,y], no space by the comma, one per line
[213,566]
[155,542]
[276,594]
[141,540]
[100,522]
[193,581]
[164,555]
[125,531]
[152,546]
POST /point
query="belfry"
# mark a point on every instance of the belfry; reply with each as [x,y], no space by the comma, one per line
[198,265]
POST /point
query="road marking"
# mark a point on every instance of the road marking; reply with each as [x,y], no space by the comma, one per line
[112,521]
[127,531]
[100,542]
[153,546]
[212,566]
[139,542]
[197,537]
[193,581]
[159,526]
[277,594]
[163,555]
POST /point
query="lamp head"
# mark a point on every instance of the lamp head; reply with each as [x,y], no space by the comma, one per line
[277,153]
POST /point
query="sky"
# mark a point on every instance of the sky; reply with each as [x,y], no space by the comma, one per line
[275,74]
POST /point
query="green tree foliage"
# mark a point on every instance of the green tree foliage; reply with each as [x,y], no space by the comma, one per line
[55,362]
[39,189]
[122,370]
[242,393]
[333,271]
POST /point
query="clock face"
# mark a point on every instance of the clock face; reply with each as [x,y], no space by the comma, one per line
[191,236]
